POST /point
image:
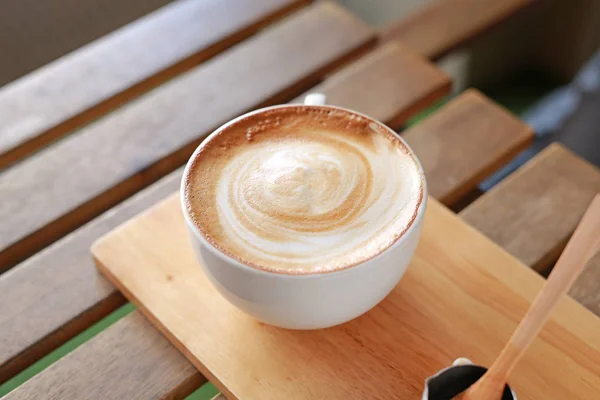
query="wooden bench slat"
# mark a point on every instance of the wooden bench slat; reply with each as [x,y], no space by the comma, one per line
[161,372]
[464,142]
[58,189]
[389,84]
[58,293]
[586,289]
[443,25]
[533,212]
[89,82]
[220,396]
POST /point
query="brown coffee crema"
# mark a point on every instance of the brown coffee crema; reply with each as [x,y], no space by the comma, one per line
[303,189]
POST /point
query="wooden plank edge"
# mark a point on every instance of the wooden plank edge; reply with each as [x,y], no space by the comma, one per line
[453,197]
[398,121]
[482,27]
[543,264]
[45,138]
[178,384]
[56,338]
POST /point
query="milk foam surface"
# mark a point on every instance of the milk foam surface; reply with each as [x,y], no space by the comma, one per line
[303,190]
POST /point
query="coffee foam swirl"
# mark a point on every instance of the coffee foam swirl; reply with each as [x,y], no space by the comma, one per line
[305,194]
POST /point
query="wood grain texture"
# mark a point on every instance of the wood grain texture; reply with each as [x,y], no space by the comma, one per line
[95,371]
[389,84]
[74,180]
[443,25]
[461,296]
[57,293]
[533,212]
[464,142]
[586,289]
[83,85]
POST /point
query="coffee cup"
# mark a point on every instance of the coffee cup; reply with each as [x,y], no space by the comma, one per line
[304,296]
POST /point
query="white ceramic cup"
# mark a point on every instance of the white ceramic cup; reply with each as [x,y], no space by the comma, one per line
[307,301]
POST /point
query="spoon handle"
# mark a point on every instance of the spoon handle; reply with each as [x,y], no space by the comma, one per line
[581,247]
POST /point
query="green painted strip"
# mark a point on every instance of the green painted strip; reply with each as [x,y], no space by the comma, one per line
[206,392]
[65,349]
[415,119]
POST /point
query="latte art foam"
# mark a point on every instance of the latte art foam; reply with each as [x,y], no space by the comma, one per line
[303,192]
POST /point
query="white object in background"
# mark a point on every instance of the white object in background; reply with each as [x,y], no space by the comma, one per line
[315,99]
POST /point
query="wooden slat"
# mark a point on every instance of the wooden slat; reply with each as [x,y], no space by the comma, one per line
[464,142]
[533,212]
[87,83]
[161,372]
[586,290]
[220,396]
[389,84]
[74,180]
[443,25]
[57,293]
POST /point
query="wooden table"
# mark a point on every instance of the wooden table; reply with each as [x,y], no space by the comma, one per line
[99,135]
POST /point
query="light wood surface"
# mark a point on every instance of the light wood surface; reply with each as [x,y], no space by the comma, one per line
[164,373]
[461,296]
[443,25]
[58,292]
[57,190]
[533,212]
[581,247]
[83,85]
[389,84]
[464,142]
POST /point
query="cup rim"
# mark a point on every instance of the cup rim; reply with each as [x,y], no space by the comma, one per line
[346,268]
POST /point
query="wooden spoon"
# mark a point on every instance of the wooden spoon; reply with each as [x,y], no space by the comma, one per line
[582,246]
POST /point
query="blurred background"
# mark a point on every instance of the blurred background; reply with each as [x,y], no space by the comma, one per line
[553,37]
[540,63]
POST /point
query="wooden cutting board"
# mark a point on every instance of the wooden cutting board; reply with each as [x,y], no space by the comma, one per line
[461,296]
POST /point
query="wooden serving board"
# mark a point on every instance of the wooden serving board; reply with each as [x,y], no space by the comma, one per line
[461,296]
